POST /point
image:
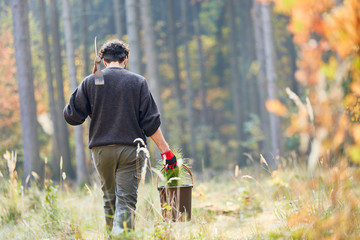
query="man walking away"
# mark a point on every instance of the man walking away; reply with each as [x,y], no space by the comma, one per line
[121,109]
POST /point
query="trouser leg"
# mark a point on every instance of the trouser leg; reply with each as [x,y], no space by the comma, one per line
[127,180]
[105,163]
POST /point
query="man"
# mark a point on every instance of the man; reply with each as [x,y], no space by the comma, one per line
[121,110]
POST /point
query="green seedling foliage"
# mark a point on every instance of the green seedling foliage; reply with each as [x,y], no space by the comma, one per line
[173,177]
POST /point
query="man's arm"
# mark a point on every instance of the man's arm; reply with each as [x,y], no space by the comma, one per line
[78,108]
[166,153]
[160,141]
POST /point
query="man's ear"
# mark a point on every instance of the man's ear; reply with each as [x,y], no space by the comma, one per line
[105,63]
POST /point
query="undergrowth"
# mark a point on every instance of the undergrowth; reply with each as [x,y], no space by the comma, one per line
[248,204]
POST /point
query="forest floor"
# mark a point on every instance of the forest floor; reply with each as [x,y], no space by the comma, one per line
[250,204]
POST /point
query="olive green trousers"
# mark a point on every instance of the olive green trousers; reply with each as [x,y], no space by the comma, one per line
[120,171]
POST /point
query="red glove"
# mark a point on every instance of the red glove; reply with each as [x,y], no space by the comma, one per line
[170,160]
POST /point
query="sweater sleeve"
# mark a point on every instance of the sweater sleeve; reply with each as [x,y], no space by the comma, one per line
[78,108]
[149,113]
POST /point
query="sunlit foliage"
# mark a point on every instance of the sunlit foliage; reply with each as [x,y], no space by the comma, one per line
[328,41]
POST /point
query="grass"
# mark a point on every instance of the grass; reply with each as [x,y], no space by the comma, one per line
[248,204]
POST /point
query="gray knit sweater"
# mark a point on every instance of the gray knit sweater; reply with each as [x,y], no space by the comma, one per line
[120,110]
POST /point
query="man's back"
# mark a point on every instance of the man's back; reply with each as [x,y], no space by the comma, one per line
[121,110]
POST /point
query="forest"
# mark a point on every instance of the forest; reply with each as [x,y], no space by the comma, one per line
[260,98]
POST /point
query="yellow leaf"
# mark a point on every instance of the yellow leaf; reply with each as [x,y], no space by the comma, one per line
[338,138]
[284,6]
[276,107]
[354,153]
[329,68]
[355,88]
[356,133]
[350,101]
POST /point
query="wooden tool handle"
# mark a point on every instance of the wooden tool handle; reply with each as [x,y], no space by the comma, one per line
[97,60]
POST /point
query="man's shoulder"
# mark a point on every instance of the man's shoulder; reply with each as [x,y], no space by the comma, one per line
[125,75]
[87,81]
[89,78]
[133,75]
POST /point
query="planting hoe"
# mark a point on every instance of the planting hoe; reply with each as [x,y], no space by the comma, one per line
[99,78]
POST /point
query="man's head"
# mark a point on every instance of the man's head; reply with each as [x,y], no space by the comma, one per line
[114,51]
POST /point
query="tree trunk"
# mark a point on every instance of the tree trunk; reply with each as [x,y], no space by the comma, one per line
[49,80]
[151,56]
[86,57]
[81,170]
[236,96]
[117,18]
[275,130]
[133,36]
[204,114]
[29,124]
[261,83]
[248,57]
[173,49]
[189,90]
[175,67]
[220,59]
[84,38]
[244,66]
[63,130]
[247,53]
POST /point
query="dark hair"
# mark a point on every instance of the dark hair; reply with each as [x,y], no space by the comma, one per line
[114,51]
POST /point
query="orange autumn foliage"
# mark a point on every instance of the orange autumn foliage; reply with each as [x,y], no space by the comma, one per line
[276,107]
[9,99]
[327,34]
[342,28]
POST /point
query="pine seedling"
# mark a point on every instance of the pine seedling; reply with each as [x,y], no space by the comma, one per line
[173,176]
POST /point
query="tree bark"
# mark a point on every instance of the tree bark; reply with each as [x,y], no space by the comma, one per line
[275,130]
[63,130]
[236,92]
[117,18]
[247,54]
[49,80]
[204,114]
[29,124]
[151,56]
[175,67]
[133,36]
[241,38]
[189,90]
[261,82]
[220,59]
[84,38]
[248,57]
[81,169]
[173,49]
[86,57]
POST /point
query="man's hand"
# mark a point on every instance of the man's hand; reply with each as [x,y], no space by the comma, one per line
[170,160]
[97,61]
